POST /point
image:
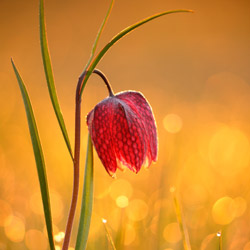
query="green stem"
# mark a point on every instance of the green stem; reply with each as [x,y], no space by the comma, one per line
[87,200]
[76,165]
[77,154]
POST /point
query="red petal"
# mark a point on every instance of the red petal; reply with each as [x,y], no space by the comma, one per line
[128,137]
[99,121]
[137,102]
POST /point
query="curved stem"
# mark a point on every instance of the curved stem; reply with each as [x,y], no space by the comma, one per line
[105,79]
[76,164]
[77,153]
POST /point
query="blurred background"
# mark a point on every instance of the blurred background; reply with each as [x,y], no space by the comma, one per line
[194,71]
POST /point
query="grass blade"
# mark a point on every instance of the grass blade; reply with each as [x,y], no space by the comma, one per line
[40,164]
[50,78]
[183,229]
[108,234]
[119,36]
[219,235]
[101,29]
[99,34]
[87,200]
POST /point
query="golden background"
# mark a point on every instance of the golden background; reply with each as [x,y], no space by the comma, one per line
[194,71]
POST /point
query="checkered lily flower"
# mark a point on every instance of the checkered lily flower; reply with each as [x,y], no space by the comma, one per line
[123,130]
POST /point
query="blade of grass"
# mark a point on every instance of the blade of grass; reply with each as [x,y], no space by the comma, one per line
[87,200]
[108,234]
[50,78]
[98,36]
[121,34]
[219,235]
[99,33]
[183,229]
[40,164]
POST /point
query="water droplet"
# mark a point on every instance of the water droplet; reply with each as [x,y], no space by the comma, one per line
[219,234]
[59,237]
[104,220]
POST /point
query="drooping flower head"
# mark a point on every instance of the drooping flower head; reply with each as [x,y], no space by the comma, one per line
[123,130]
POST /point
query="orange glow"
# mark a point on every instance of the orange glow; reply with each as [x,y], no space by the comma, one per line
[172,233]
[14,228]
[5,212]
[120,187]
[241,206]
[194,71]
[137,210]
[229,151]
[172,123]
[224,210]
[32,237]
[130,235]
[122,201]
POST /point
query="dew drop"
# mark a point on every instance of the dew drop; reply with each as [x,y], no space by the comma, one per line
[219,234]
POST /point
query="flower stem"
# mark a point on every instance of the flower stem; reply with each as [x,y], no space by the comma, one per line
[105,79]
[76,164]
[77,153]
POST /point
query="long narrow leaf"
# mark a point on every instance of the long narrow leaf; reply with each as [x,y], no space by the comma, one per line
[50,79]
[119,36]
[110,239]
[87,200]
[99,34]
[101,29]
[40,164]
[181,222]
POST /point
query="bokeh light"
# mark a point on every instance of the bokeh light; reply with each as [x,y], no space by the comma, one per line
[59,237]
[5,212]
[241,206]
[122,201]
[32,237]
[229,151]
[14,228]
[196,78]
[172,123]
[56,205]
[224,210]
[120,187]
[172,233]
[137,210]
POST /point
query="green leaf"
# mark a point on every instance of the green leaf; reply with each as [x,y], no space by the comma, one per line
[99,34]
[40,164]
[119,36]
[50,79]
[87,200]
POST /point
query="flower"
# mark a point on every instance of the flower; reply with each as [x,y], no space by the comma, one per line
[123,130]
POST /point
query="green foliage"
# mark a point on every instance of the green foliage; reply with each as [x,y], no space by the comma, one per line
[87,200]
[87,196]
[50,78]
[118,37]
[40,164]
